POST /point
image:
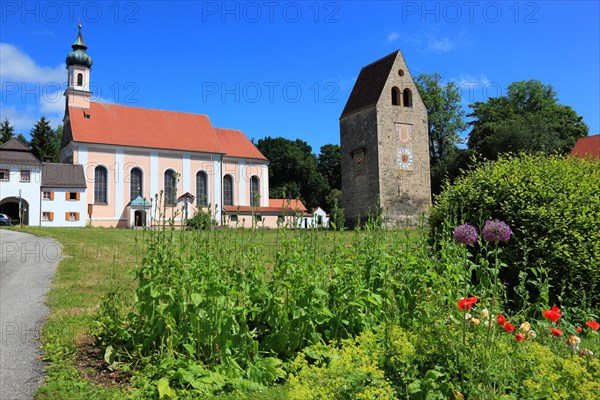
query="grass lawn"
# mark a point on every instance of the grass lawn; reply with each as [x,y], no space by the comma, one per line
[96,260]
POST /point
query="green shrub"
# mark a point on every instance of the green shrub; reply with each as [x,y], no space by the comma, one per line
[553,207]
[201,220]
[348,372]
[550,376]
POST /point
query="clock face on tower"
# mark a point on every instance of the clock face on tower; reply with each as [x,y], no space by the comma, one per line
[404,158]
[359,160]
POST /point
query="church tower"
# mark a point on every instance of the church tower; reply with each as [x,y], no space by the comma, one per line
[79,64]
[385,146]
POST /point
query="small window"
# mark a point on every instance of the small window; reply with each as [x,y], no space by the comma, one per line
[72,216]
[72,196]
[400,72]
[79,79]
[25,175]
[48,195]
[395,96]
[4,175]
[407,94]
[258,217]
[234,218]
[46,216]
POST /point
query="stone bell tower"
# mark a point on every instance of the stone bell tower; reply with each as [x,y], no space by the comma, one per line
[385,146]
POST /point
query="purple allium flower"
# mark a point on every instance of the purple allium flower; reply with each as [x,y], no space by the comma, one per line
[496,231]
[465,234]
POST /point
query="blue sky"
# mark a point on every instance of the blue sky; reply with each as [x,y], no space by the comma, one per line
[275,68]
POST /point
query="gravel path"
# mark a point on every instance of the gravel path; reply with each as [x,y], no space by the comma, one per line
[27,264]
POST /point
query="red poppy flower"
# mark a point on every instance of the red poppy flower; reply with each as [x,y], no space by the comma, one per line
[556,331]
[467,303]
[579,329]
[593,324]
[501,319]
[519,337]
[553,314]
[508,327]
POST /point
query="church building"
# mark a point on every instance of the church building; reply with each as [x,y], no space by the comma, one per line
[145,166]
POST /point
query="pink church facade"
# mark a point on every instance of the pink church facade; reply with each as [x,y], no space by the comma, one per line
[144,166]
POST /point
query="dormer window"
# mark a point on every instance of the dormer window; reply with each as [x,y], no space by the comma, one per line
[80,79]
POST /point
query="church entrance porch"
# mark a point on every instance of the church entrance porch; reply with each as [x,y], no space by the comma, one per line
[138,212]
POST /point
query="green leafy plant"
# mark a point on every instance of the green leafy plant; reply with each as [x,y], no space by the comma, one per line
[552,204]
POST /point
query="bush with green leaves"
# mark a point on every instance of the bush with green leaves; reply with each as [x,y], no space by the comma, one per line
[552,204]
[201,220]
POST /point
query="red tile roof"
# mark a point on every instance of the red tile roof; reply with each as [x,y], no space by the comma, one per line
[294,204]
[589,145]
[120,125]
[235,144]
[276,206]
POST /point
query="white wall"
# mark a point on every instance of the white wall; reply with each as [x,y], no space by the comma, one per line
[30,191]
[60,206]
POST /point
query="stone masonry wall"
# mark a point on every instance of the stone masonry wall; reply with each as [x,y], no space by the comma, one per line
[405,193]
[360,185]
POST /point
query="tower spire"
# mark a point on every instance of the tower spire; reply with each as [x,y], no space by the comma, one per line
[79,55]
[79,64]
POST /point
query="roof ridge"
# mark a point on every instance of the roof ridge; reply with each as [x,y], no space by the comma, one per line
[381,59]
[147,108]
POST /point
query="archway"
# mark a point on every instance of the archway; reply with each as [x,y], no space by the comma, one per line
[10,207]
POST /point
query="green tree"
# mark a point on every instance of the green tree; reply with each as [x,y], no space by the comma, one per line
[528,119]
[293,171]
[329,165]
[6,131]
[45,143]
[336,212]
[445,121]
[444,113]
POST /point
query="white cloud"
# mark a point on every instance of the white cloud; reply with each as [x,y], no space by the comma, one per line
[22,120]
[467,81]
[17,66]
[477,88]
[53,103]
[444,44]
[393,36]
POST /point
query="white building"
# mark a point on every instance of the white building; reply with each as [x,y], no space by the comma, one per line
[318,219]
[46,194]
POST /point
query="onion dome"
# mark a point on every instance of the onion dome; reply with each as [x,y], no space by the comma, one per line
[78,56]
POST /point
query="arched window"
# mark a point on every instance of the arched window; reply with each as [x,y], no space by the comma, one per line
[254,191]
[100,182]
[170,189]
[201,188]
[227,190]
[407,98]
[395,96]
[80,79]
[135,183]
